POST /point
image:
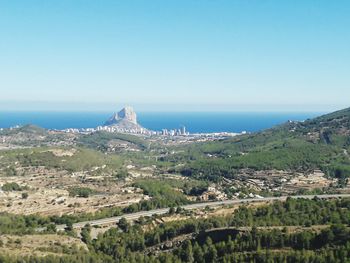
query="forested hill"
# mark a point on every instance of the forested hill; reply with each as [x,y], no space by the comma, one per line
[319,143]
[340,117]
[333,128]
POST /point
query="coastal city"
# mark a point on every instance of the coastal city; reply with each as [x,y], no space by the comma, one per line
[125,121]
[179,131]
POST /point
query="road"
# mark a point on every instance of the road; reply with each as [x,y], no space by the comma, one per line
[162,211]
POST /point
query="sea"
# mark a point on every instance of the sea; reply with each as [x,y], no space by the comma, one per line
[195,122]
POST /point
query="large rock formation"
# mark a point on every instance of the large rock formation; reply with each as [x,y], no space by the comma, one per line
[126,114]
[125,120]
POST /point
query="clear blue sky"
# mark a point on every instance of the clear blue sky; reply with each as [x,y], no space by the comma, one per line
[179,55]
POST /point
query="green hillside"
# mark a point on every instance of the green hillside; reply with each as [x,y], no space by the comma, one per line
[320,143]
[27,129]
[82,159]
[100,140]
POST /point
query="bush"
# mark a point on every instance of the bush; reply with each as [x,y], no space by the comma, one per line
[80,191]
[11,187]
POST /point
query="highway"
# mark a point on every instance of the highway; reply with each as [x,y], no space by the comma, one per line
[162,211]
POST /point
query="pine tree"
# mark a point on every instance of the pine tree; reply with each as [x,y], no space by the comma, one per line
[187,252]
[198,253]
[211,254]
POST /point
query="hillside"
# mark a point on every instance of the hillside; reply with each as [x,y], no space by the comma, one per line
[33,136]
[105,141]
[319,143]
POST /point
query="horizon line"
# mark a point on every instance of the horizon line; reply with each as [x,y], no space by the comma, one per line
[108,106]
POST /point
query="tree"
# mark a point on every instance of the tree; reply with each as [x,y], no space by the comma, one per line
[86,234]
[198,253]
[70,229]
[187,253]
[80,191]
[211,253]
[156,238]
[172,210]
[69,226]
[123,224]
[7,187]
[51,228]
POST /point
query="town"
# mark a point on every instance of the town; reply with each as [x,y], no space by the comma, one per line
[125,121]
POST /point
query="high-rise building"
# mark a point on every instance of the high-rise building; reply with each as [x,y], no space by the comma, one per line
[183,130]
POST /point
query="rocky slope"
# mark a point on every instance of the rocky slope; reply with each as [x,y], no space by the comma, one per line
[126,119]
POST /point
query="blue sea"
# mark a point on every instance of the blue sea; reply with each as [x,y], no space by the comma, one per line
[194,122]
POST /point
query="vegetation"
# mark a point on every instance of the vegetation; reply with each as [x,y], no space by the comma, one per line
[82,159]
[20,224]
[80,191]
[297,230]
[250,235]
[32,136]
[162,192]
[129,245]
[30,129]
[321,143]
[100,140]
[168,192]
[331,245]
[13,187]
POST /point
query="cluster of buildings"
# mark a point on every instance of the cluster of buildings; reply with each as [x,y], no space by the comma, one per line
[213,194]
[137,130]
[113,129]
[11,128]
[83,130]
[125,121]
[177,132]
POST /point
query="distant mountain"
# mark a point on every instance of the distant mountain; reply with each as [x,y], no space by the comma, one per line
[125,119]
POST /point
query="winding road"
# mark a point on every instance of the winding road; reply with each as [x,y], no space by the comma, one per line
[162,211]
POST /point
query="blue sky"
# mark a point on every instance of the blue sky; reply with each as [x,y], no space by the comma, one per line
[178,55]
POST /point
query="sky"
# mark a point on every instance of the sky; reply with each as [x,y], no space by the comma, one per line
[175,55]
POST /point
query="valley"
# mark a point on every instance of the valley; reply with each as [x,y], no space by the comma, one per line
[87,186]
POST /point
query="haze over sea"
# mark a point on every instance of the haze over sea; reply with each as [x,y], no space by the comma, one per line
[195,122]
